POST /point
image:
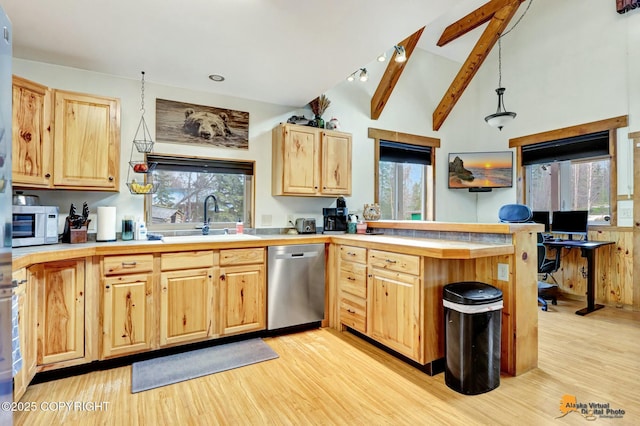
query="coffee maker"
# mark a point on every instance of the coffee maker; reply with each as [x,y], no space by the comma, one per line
[335,219]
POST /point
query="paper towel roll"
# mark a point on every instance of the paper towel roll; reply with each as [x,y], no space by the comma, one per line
[106,224]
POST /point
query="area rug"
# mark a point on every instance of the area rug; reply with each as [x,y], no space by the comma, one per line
[166,370]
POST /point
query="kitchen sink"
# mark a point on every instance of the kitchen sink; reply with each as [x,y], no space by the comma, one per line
[209,238]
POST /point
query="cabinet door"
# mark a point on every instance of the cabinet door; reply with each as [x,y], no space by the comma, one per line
[300,168]
[336,163]
[242,298]
[395,311]
[31,142]
[61,287]
[87,141]
[20,378]
[127,314]
[186,299]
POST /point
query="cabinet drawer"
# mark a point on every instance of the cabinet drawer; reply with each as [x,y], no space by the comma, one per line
[128,264]
[353,278]
[353,312]
[353,254]
[241,256]
[395,261]
[186,260]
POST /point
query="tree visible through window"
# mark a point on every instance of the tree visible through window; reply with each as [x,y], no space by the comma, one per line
[183,184]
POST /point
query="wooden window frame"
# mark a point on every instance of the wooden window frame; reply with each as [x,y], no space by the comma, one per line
[389,135]
[611,124]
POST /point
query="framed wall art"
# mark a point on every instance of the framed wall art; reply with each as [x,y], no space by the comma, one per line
[191,124]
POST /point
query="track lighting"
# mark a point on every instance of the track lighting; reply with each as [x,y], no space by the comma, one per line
[382,57]
[364,76]
[401,54]
[351,77]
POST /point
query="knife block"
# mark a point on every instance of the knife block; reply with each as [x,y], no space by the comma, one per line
[75,235]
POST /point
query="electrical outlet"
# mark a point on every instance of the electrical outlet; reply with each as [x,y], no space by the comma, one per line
[503,272]
[291,220]
[266,220]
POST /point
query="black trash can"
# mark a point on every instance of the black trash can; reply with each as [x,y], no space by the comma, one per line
[472,322]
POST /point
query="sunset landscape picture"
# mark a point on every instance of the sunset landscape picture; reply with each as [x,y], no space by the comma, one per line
[481,170]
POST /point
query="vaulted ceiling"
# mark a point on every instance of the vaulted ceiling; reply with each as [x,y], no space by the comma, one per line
[275,51]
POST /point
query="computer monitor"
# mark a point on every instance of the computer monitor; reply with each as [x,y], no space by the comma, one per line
[572,222]
[541,217]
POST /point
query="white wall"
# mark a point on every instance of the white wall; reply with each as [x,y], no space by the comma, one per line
[566,63]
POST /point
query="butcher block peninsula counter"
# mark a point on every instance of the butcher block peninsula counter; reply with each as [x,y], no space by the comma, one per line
[101,287]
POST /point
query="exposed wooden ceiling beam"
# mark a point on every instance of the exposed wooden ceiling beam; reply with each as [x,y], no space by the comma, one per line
[478,54]
[472,21]
[392,75]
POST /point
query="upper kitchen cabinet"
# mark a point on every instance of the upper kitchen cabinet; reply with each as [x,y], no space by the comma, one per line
[86,153]
[31,152]
[63,139]
[308,161]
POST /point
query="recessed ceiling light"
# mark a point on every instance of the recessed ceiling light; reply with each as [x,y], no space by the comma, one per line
[216,77]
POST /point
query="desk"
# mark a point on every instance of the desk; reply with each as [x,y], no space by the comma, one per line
[587,249]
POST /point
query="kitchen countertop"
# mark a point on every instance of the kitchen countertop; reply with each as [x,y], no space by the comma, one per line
[443,249]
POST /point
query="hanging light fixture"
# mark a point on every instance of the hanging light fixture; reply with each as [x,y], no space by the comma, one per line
[501,116]
[401,54]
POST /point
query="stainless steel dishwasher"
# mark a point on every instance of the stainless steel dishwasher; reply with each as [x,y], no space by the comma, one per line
[295,285]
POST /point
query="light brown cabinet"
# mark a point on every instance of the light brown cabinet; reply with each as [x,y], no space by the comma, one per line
[60,310]
[64,139]
[31,134]
[242,289]
[394,314]
[127,305]
[352,284]
[86,153]
[308,161]
[186,297]
[27,322]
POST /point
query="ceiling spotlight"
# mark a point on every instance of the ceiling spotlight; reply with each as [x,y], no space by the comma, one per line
[216,77]
[364,76]
[382,57]
[401,54]
[352,76]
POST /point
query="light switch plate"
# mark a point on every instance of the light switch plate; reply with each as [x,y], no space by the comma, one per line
[503,271]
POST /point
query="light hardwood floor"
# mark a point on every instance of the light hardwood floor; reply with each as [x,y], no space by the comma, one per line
[326,377]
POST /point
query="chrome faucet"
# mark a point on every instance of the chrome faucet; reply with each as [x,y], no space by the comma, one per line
[216,209]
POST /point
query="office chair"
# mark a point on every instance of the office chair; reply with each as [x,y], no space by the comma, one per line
[547,265]
[520,213]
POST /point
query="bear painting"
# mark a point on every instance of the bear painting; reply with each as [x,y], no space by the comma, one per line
[180,122]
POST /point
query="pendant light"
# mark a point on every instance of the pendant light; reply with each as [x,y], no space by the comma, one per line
[501,116]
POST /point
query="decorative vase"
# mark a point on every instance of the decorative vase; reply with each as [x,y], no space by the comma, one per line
[319,122]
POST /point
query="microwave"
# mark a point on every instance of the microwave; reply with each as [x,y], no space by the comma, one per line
[34,225]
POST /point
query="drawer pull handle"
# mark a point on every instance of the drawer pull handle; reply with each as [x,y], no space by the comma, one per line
[351,311]
[129,264]
[351,278]
[350,253]
[391,261]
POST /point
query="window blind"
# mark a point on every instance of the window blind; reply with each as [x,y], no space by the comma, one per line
[583,146]
[200,165]
[398,152]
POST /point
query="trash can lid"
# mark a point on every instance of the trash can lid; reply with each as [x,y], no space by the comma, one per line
[471,293]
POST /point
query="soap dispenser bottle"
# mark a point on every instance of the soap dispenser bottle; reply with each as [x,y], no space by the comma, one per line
[239,227]
[141,230]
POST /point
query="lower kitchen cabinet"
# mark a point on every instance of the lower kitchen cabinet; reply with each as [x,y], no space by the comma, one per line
[27,321]
[395,311]
[60,310]
[241,286]
[186,300]
[352,284]
[127,315]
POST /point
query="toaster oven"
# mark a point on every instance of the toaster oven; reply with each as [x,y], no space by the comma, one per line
[306,226]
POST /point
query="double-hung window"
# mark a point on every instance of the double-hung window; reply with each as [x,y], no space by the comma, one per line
[183,184]
[570,174]
[405,179]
